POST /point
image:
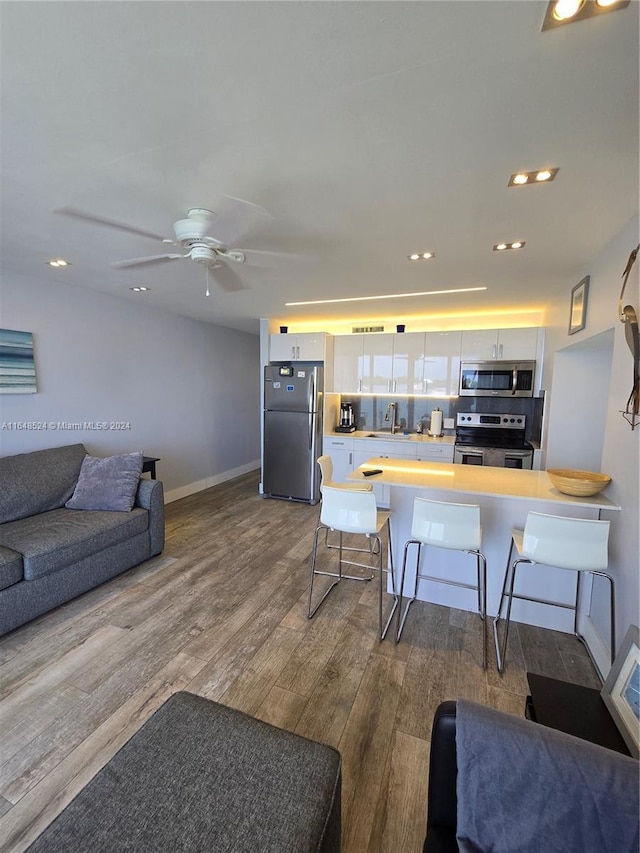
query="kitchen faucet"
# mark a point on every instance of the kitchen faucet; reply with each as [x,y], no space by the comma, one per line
[392,414]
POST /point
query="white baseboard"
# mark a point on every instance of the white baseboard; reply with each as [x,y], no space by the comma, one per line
[207,482]
[598,649]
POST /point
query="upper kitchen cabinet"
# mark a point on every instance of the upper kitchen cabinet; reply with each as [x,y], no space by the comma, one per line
[379,363]
[362,364]
[500,344]
[347,363]
[442,363]
[304,346]
[407,372]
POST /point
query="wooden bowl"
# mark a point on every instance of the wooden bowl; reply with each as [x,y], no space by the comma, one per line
[582,484]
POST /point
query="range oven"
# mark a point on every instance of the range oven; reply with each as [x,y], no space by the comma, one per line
[496,440]
[496,378]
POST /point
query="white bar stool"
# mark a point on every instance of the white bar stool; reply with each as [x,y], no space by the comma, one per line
[577,544]
[455,527]
[326,470]
[354,511]
[326,479]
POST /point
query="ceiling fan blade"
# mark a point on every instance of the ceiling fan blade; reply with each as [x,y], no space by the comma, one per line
[263,258]
[226,278]
[109,223]
[235,218]
[152,259]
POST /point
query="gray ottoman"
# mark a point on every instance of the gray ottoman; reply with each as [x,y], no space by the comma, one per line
[202,777]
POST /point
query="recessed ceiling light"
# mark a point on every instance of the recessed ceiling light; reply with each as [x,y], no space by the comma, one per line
[387,296]
[140,289]
[563,9]
[560,12]
[540,176]
[58,262]
[500,247]
[421,256]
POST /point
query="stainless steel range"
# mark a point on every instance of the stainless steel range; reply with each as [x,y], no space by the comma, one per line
[496,440]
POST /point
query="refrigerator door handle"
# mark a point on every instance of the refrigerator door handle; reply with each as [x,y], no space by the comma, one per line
[311,421]
[312,393]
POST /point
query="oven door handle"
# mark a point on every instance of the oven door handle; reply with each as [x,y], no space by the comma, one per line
[514,382]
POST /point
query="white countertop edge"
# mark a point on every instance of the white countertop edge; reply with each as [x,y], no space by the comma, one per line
[398,437]
[511,483]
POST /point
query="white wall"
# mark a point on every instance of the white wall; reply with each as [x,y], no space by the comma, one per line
[190,390]
[617,445]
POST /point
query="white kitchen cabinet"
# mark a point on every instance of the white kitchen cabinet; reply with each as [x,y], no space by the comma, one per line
[341,452]
[379,363]
[347,363]
[434,453]
[500,344]
[407,371]
[442,363]
[363,364]
[303,346]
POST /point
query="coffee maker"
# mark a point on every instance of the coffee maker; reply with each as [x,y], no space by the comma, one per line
[347,421]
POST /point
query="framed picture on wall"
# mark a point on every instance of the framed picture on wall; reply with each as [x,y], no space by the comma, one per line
[17,367]
[621,690]
[578,309]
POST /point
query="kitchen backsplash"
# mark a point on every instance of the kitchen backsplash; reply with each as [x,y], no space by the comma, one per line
[370,411]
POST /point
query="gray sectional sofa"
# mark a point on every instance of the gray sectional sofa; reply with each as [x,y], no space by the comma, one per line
[48,553]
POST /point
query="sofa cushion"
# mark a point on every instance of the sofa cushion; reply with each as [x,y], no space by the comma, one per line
[10,567]
[108,483]
[55,539]
[36,482]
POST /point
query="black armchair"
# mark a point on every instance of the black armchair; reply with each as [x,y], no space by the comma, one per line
[525,787]
[443,773]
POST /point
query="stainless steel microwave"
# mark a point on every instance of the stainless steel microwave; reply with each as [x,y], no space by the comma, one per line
[497,378]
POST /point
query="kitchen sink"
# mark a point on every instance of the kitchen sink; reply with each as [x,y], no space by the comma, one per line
[399,435]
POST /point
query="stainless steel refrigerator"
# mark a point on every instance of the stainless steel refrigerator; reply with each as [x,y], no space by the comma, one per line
[292,432]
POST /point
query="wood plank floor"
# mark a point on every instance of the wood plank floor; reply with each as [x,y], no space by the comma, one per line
[222,613]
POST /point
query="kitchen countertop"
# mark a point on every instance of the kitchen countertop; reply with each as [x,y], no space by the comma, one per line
[399,436]
[474,480]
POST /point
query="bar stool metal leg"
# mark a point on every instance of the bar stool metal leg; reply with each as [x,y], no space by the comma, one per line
[391,572]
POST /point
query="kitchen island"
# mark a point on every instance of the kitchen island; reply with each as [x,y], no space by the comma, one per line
[505,496]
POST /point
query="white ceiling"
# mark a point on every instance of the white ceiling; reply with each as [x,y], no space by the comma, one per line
[367,129]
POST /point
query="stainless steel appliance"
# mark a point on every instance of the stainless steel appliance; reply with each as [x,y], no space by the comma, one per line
[347,421]
[292,432]
[496,440]
[497,378]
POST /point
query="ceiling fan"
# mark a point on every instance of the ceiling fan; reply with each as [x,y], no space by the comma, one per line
[235,219]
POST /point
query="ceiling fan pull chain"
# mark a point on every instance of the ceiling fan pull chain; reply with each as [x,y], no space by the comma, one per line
[207,293]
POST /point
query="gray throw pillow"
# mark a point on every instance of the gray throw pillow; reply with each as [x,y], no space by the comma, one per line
[107,483]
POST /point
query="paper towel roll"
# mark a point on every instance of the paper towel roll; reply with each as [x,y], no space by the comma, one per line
[435,427]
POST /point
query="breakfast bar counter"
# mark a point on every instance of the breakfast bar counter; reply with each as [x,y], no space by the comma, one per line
[475,480]
[505,497]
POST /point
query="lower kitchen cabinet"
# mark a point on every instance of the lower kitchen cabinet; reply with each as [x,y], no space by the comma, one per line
[347,454]
[437,453]
[341,452]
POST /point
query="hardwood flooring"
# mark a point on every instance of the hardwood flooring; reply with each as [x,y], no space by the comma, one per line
[222,613]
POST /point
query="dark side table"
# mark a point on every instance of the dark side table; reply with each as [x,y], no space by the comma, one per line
[571,708]
[149,464]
